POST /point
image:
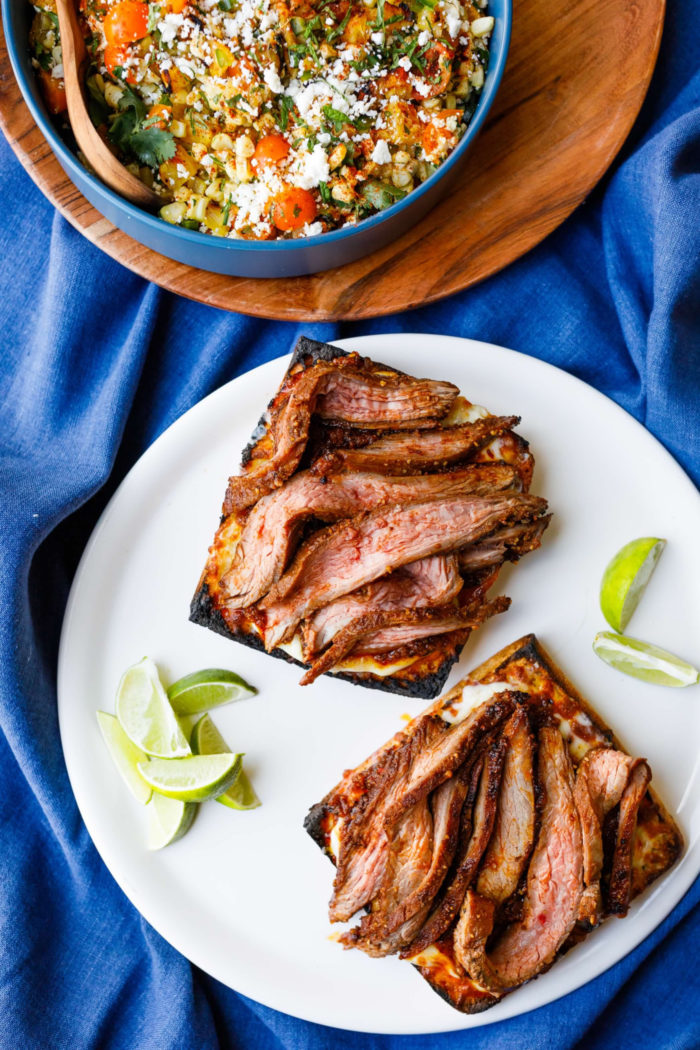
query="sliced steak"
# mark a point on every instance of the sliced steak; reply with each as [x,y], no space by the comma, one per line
[403,901]
[602,777]
[342,391]
[383,631]
[383,400]
[478,823]
[373,799]
[364,842]
[426,623]
[341,558]
[507,544]
[430,581]
[272,528]
[621,874]
[554,888]
[413,453]
[513,835]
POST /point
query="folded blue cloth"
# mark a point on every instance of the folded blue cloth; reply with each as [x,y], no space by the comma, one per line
[96,364]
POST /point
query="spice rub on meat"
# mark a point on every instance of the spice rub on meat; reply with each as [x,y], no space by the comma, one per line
[493,832]
[370,520]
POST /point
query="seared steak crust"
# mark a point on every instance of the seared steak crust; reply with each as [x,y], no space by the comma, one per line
[412,453]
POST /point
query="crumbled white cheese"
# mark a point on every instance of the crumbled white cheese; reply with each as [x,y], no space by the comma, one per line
[168,27]
[311,168]
[423,38]
[380,153]
[272,79]
[454,24]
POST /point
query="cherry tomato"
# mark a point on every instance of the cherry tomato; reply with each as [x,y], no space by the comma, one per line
[159,116]
[292,208]
[53,91]
[125,22]
[177,6]
[270,150]
[114,58]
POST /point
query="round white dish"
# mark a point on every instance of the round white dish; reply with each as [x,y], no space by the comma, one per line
[244,895]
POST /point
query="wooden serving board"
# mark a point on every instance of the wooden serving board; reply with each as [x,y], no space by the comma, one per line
[577,75]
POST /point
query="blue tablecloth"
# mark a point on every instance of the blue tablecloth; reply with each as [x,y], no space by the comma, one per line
[95,365]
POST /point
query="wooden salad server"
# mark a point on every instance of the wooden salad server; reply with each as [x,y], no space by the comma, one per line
[103,162]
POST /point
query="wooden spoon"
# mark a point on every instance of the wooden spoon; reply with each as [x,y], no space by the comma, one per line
[103,162]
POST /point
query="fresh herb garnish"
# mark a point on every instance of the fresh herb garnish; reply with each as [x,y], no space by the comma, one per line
[131,133]
[286,103]
[335,117]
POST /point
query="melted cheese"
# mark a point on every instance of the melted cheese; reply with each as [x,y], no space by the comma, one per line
[473,695]
[359,665]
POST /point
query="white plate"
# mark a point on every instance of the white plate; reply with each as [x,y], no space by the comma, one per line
[244,895]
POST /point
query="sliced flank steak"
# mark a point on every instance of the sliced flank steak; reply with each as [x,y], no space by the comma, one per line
[271,531]
[554,888]
[514,832]
[341,558]
[413,453]
[385,631]
[339,390]
[477,829]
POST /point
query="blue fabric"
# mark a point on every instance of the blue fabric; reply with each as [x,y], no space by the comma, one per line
[95,365]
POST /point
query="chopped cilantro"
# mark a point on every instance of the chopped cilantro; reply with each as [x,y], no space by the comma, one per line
[335,117]
[286,106]
[131,133]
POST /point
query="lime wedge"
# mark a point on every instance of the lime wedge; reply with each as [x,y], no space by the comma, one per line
[145,714]
[125,755]
[192,779]
[204,690]
[625,579]
[645,661]
[207,740]
[168,820]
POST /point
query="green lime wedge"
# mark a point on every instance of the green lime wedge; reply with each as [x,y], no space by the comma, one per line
[193,779]
[206,689]
[168,820]
[645,661]
[207,740]
[125,755]
[145,714]
[625,579]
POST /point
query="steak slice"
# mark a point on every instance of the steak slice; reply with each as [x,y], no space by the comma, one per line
[554,888]
[341,558]
[342,391]
[383,631]
[601,779]
[507,544]
[412,453]
[383,399]
[364,798]
[426,623]
[430,581]
[621,874]
[272,528]
[402,903]
[513,835]
[399,778]
[478,824]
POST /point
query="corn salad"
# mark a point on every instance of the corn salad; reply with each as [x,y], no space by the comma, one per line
[261,119]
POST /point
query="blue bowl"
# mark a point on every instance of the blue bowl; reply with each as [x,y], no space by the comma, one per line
[282,258]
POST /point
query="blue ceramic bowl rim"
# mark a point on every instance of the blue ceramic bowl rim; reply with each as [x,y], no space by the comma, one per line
[493,79]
